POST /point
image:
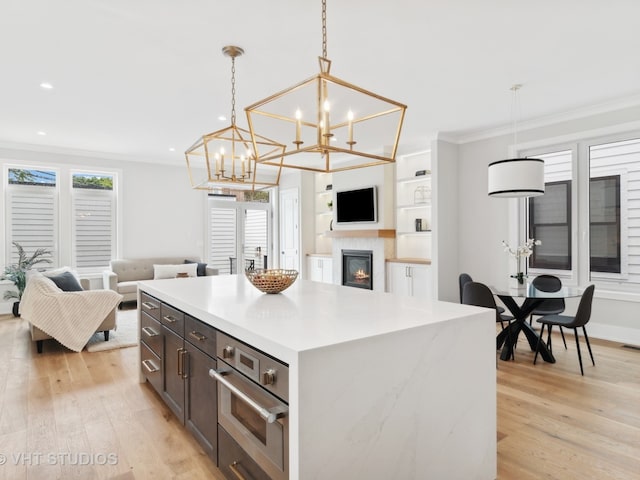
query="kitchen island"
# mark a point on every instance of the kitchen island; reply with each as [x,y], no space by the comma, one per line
[380,386]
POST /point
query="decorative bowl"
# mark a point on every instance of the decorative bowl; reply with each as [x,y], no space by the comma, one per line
[273,280]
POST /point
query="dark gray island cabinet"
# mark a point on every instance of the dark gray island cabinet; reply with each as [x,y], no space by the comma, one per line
[323,381]
[177,351]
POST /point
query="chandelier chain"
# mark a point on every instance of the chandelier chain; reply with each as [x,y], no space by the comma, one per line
[233,90]
[324,28]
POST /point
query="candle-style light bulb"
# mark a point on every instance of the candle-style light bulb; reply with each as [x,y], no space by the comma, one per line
[350,119]
[242,164]
[326,106]
[298,125]
[217,159]
[222,158]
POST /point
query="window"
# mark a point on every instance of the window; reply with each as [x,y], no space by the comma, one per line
[604,223]
[32,211]
[70,212]
[550,222]
[589,218]
[94,220]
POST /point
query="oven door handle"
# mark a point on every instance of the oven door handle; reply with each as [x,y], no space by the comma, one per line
[269,414]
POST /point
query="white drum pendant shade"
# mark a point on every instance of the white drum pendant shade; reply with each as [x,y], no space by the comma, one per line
[516,177]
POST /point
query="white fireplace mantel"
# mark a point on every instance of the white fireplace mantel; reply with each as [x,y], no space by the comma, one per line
[382,245]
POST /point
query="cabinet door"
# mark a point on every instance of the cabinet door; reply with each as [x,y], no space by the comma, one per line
[327,270]
[173,371]
[201,416]
[397,278]
[314,267]
[421,281]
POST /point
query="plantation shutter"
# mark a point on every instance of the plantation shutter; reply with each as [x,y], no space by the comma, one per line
[222,234]
[93,228]
[32,222]
[255,236]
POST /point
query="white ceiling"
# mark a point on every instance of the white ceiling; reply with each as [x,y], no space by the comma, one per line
[133,78]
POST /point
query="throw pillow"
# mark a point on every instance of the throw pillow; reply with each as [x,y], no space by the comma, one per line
[171,271]
[66,282]
[202,267]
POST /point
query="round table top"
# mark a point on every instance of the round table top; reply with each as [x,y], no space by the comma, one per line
[529,291]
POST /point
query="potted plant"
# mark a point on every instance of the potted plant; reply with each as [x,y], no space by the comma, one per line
[17,273]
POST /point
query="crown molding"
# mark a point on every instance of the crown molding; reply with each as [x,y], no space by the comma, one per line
[544,121]
[75,152]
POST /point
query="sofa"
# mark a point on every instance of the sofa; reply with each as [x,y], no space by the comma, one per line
[69,316]
[124,274]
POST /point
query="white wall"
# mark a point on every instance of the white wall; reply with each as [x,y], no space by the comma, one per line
[483,222]
[445,220]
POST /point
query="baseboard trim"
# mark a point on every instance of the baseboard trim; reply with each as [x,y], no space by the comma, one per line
[614,333]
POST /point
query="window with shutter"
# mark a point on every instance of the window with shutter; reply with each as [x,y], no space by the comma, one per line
[94,215]
[32,212]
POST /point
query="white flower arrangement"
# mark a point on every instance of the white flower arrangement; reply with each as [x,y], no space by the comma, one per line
[523,251]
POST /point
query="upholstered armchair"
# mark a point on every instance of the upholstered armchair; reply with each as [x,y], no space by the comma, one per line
[70,317]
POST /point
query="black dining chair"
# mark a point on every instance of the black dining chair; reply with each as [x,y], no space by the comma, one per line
[550,306]
[465,278]
[581,318]
[478,294]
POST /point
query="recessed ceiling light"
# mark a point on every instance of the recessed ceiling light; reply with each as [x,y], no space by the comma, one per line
[171,149]
[222,118]
[42,133]
[46,85]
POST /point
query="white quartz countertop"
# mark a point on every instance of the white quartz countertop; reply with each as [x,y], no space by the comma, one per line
[308,315]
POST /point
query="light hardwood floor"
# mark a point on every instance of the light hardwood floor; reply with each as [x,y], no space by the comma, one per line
[88,408]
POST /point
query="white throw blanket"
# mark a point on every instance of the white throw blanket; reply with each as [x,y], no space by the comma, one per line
[69,317]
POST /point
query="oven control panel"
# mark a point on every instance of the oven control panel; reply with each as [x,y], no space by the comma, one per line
[272,374]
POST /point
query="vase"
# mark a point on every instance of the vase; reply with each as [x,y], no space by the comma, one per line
[16,309]
[517,283]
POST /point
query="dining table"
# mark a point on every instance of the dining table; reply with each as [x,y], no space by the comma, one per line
[530,297]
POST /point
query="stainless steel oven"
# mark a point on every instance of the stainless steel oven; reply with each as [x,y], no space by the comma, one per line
[252,404]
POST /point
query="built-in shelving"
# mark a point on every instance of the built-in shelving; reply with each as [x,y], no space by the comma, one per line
[413,203]
[323,212]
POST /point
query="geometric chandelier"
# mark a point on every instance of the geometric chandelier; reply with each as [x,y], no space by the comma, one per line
[226,158]
[328,124]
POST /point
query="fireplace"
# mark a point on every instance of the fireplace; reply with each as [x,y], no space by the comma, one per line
[357,268]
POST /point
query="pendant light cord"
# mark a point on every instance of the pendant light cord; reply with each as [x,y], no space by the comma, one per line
[324,29]
[515,113]
[233,90]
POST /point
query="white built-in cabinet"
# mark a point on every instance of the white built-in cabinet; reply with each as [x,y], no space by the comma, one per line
[409,279]
[409,273]
[320,268]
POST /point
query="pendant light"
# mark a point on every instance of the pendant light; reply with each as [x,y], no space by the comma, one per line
[227,156]
[328,124]
[516,177]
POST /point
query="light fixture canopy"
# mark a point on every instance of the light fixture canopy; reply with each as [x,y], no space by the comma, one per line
[516,177]
[328,124]
[226,157]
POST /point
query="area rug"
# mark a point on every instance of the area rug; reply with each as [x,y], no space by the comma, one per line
[125,335]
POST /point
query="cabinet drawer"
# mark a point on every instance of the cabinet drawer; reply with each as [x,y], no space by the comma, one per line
[172,319]
[232,456]
[200,335]
[150,305]
[151,333]
[151,367]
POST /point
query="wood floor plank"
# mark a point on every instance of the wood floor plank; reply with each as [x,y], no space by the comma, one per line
[553,423]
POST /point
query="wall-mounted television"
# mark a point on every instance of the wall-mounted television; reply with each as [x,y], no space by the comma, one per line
[357,206]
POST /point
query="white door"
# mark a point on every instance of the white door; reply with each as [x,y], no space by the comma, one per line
[238,235]
[289,231]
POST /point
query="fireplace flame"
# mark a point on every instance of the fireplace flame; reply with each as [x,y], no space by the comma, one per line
[360,275]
